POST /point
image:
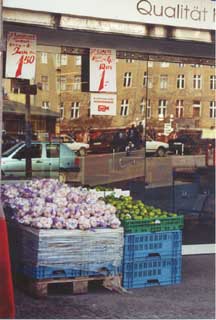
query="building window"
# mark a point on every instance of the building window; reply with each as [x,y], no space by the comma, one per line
[196,108]
[61,109]
[142,105]
[78,60]
[213,82]
[147,80]
[150,64]
[179,108]
[43,57]
[162,107]
[124,108]
[181,65]
[127,79]
[164,64]
[163,81]
[45,83]
[197,81]
[77,83]
[180,81]
[61,59]
[129,60]
[196,65]
[75,107]
[61,83]
[148,109]
[45,105]
[212,109]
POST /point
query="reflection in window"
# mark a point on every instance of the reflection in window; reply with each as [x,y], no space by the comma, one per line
[75,107]
[129,60]
[150,64]
[148,109]
[212,109]
[147,80]
[77,83]
[179,108]
[163,81]
[127,79]
[164,64]
[213,82]
[52,150]
[181,65]
[78,60]
[61,109]
[142,106]
[124,107]
[45,83]
[35,152]
[61,83]
[44,57]
[162,108]
[196,108]
[197,81]
[61,60]
[45,104]
[180,81]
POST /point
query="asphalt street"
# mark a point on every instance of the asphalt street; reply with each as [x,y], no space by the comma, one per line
[194,298]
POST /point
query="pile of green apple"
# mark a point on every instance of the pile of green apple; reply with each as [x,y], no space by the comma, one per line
[129,209]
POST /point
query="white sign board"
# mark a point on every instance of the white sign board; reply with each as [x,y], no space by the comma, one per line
[102,70]
[167,128]
[103,104]
[21,55]
[197,14]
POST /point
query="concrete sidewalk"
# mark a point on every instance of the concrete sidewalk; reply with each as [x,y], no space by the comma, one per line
[194,298]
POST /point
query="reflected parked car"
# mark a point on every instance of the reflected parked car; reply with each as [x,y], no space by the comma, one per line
[80,147]
[157,148]
[46,158]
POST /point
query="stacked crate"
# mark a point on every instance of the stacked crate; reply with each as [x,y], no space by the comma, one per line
[152,253]
[51,254]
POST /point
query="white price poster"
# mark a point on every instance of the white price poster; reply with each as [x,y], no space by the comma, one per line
[103,104]
[21,55]
[102,70]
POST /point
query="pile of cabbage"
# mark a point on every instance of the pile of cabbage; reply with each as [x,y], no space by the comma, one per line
[47,204]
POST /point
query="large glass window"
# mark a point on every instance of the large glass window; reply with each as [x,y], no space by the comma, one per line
[212,109]
[75,109]
[212,82]
[181,81]
[124,108]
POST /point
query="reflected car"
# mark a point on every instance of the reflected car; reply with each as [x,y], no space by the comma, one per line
[157,148]
[80,147]
[46,158]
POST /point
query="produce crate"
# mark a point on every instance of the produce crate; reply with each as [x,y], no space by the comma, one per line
[149,225]
[55,272]
[147,272]
[141,245]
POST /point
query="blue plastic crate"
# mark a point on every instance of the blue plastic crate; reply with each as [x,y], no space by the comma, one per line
[48,272]
[141,245]
[155,271]
[42,272]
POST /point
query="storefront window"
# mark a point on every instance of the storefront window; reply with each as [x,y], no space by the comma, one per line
[151,112]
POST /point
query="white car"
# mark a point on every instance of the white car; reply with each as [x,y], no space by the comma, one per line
[156,147]
[80,147]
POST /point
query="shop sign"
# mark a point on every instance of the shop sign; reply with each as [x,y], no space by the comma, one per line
[21,55]
[103,104]
[102,70]
[196,14]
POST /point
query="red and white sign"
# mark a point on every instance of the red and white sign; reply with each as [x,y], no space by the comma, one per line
[103,104]
[102,70]
[21,55]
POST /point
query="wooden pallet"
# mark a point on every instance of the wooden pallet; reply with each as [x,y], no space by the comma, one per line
[39,288]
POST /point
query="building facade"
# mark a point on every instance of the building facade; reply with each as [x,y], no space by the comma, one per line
[151,90]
